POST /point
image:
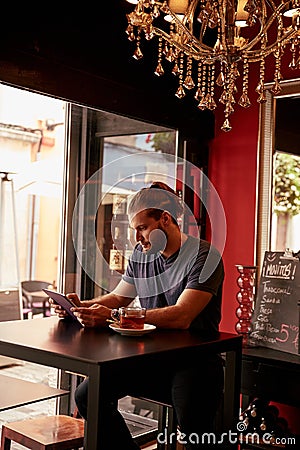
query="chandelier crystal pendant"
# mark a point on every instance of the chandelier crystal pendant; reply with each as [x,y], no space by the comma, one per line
[209,42]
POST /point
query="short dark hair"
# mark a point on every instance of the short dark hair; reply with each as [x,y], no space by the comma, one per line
[156,199]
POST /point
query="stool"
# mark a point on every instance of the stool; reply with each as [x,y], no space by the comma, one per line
[167,423]
[49,432]
[140,404]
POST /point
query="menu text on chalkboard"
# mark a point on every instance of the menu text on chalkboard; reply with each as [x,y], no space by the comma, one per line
[276,318]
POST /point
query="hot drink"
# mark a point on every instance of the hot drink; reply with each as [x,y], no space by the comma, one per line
[130,317]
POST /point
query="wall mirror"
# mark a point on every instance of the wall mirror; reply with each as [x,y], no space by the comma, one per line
[279,172]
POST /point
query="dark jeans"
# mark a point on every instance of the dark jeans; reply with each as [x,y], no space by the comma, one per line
[194,392]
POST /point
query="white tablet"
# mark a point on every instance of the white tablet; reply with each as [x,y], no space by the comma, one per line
[64,302]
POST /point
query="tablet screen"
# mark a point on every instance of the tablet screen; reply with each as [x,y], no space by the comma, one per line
[63,301]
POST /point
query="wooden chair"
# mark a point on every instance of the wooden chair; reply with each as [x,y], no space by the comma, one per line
[44,433]
[34,298]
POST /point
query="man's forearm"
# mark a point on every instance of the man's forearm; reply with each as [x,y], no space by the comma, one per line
[110,300]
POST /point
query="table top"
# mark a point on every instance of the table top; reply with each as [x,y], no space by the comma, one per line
[55,336]
[16,392]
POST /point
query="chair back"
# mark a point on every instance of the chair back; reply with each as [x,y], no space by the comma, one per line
[33,298]
[34,285]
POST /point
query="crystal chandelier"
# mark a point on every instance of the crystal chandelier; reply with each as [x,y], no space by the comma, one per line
[208,44]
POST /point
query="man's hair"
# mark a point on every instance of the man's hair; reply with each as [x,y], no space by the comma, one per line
[156,199]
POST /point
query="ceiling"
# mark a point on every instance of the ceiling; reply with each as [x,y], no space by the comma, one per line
[92,40]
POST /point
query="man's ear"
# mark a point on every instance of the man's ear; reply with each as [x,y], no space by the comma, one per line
[166,218]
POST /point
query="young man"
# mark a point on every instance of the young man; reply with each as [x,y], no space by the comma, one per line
[179,279]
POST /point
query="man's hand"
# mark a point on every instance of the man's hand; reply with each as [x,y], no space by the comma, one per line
[59,310]
[93,316]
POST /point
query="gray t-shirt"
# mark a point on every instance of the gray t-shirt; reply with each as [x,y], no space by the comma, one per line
[159,281]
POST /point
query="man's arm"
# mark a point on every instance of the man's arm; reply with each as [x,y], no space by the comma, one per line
[96,312]
[189,304]
[180,316]
[122,295]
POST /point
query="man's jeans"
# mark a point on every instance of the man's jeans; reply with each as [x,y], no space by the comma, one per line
[194,391]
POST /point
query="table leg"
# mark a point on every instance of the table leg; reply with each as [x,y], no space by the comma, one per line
[232,390]
[161,432]
[167,428]
[172,429]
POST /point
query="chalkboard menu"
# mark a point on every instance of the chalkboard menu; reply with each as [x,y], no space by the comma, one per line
[276,318]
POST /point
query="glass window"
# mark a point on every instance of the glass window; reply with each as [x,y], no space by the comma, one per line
[67,172]
[111,157]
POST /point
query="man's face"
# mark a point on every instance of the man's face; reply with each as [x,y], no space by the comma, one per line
[143,225]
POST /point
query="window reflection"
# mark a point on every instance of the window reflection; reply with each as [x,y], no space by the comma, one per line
[286,202]
[278,149]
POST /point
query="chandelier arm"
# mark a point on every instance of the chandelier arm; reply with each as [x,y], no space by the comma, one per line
[186,31]
[197,49]
[265,27]
[203,29]
[191,38]
[195,53]
[187,20]
[221,26]
[253,56]
[227,17]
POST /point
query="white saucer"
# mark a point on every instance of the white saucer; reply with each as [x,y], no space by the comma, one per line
[131,331]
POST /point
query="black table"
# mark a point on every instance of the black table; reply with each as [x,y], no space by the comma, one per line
[95,352]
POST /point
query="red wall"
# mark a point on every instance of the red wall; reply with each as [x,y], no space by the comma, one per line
[232,170]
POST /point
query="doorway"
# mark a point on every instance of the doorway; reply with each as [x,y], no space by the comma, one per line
[32,155]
